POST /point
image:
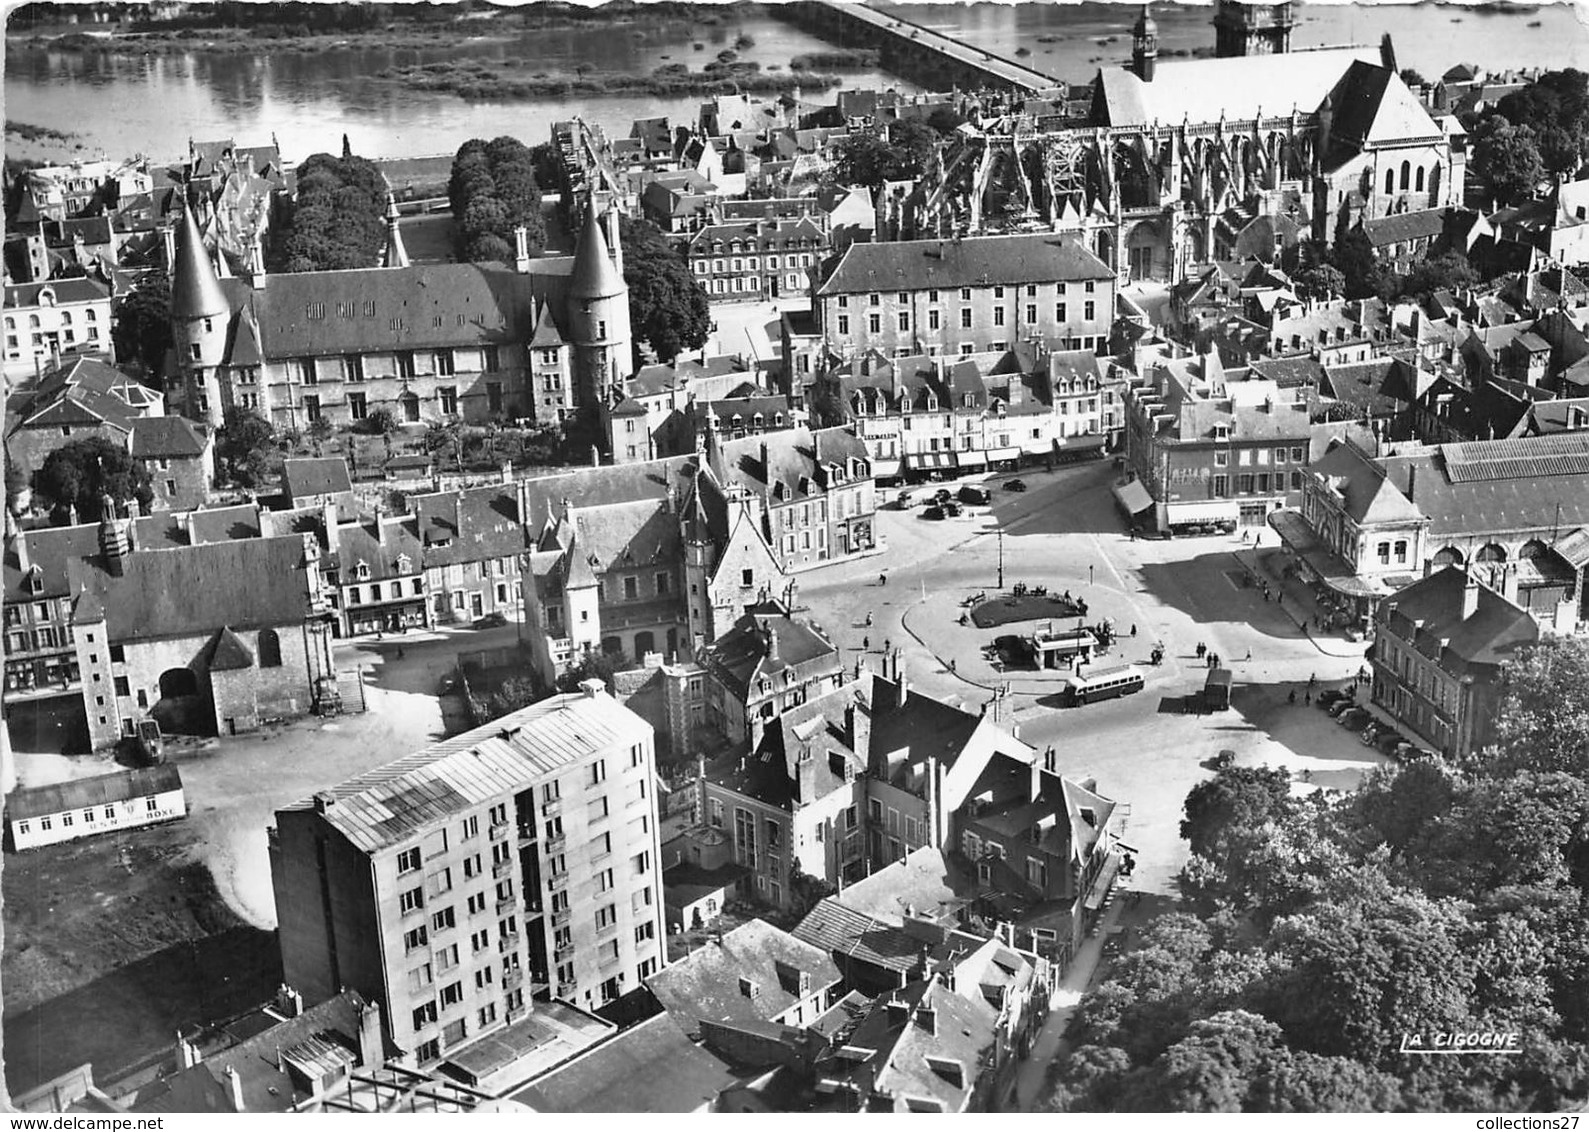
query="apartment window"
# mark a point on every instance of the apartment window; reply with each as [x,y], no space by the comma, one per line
[645,931]
[932,320]
[874,300]
[447,957]
[598,772]
[414,939]
[904,320]
[358,406]
[606,916]
[1244,483]
[1060,314]
[479,941]
[998,316]
[477,903]
[604,880]
[600,845]
[844,324]
[874,323]
[484,978]
[419,978]
[1031,312]
[1383,553]
[411,901]
[1401,551]
[425,1015]
[1221,487]
[1089,310]
[965,318]
[452,994]
[443,920]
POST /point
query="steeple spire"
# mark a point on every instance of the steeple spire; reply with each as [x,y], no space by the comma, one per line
[595,276]
[195,291]
[395,254]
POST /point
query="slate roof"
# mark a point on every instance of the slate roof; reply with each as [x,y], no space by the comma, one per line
[163,438]
[381,309]
[1365,487]
[80,793]
[51,550]
[841,930]
[1205,90]
[1429,613]
[922,883]
[229,653]
[606,484]
[1400,227]
[194,590]
[706,984]
[795,463]
[1378,386]
[1488,487]
[915,265]
[66,291]
[594,275]
[756,235]
[195,291]
[1289,373]
[357,543]
[304,477]
[398,801]
[1373,105]
[743,655]
[469,526]
[652,1067]
[942,1064]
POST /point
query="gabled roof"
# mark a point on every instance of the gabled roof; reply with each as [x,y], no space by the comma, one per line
[652,1067]
[842,931]
[156,438]
[1400,227]
[1430,613]
[1374,107]
[23,295]
[750,974]
[305,477]
[1366,490]
[913,265]
[228,653]
[194,590]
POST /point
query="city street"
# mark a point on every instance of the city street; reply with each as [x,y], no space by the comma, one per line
[1065,533]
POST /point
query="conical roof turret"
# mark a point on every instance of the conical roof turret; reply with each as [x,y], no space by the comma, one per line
[595,275]
[195,291]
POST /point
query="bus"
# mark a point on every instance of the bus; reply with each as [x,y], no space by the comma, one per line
[1216,690]
[1105,684]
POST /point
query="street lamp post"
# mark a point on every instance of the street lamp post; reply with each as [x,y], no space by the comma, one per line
[1001,560]
[1089,573]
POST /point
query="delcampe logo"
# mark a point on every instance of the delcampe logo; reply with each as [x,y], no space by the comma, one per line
[1452,1042]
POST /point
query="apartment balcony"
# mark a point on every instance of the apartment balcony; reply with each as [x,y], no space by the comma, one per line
[502,868]
[507,943]
[567,990]
[532,903]
[610,961]
[557,883]
[512,978]
[526,833]
[563,954]
[552,808]
[499,831]
[607,932]
[555,845]
[560,919]
[506,906]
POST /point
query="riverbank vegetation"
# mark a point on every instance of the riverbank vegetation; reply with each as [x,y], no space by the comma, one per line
[501,81]
[237,27]
[336,222]
[494,191]
[27,131]
[840,59]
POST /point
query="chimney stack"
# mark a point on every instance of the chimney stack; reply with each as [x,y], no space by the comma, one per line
[1470,594]
[901,679]
[927,1019]
[234,1088]
[328,519]
[289,1003]
[521,240]
[858,728]
[1412,483]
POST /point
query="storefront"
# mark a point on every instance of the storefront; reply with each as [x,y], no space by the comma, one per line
[1133,499]
[1204,516]
[930,465]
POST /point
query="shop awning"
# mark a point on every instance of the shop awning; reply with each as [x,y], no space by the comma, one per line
[1207,511]
[1078,443]
[885,468]
[1105,881]
[997,454]
[972,459]
[929,461]
[1133,497]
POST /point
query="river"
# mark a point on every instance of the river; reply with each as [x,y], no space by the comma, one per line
[152,104]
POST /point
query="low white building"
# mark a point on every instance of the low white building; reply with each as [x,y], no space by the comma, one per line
[126,799]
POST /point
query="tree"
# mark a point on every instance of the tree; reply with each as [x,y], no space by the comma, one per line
[946,120]
[319,431]
[865,158]
[668,310]
[381,422]
[1236,796]
[1556,108]
[141,323]
[243,445]
[1543,721]
[494,191]
[1353,256]
[81,473]
[592,666]
[1412,78]
[1321,282]
[336,221]
[1506,158]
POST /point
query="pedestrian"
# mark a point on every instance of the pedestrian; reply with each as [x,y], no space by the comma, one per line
[1249,654]
[1307,698]
[1133,628]
[882,579]
[868,619]
[1244,535]
[887,645]
[1292,697]
[1313,679]
[951,666]
[866,644]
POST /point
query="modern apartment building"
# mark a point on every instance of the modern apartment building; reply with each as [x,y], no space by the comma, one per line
[462,884]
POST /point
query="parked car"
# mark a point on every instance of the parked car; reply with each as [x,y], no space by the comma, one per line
[1340,706]
[491,621]
[935,511]
[1388,741]
[1329,698]
[1225,758]
[942,495]
[1354,718]
[1015,485]
[973,494]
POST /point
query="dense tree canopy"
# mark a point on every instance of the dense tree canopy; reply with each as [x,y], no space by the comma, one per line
[336,221]
[494,191]
[870,157]
[1556,109]
[668,310]
[1543,723]
[79,474]
[243,446]
[1506,159]
[141,329]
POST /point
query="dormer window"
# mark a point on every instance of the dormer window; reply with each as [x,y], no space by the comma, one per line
[362,571]
[405,564]
[1221,432]
[35,580]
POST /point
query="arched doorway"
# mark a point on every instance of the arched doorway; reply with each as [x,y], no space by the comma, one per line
[408,408]
[644,643]
[180,708]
